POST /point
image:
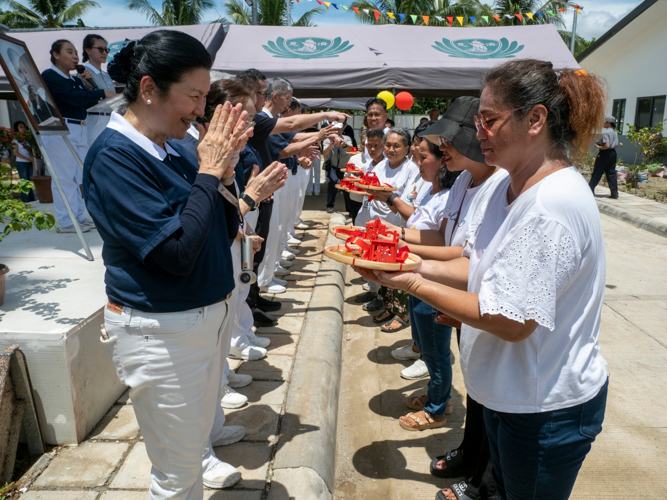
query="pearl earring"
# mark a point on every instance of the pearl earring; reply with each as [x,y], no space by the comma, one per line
[149,101]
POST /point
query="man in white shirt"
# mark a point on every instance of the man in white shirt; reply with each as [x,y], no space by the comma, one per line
[376,116]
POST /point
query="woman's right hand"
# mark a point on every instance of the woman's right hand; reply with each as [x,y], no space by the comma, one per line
[216,148]
[262,185]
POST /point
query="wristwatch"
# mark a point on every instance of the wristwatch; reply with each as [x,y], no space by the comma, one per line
[251,203]
[391,199]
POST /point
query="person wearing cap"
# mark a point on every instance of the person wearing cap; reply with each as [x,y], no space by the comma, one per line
[605,162]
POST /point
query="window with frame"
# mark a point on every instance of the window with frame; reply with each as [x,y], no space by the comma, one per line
[650,111]
[618,112]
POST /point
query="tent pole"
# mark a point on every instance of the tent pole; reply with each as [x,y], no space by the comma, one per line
[288,12]
[393,91]
[574,31]
[255,17]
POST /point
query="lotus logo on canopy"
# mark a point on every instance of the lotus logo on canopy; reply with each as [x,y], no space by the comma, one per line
[479,48]
[307,48]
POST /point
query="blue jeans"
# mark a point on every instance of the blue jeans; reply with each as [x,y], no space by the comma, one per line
[24,169]
[537,456]
[433,340]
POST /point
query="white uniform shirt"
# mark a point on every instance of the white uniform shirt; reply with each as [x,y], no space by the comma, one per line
[429,208]
[22,151]
[541,258]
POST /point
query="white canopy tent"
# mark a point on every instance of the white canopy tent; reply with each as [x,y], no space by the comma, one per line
[356,61]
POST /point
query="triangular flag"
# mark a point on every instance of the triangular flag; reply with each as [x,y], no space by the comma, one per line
[356,10]
[402,16]
[508,16]
[486,18]
[320,2]
[530,14]
[439,18]
[473,19]
[377,15]
[343,7]
[367,12]
[414,18]
[335,6]
[497,18]
[460,20]
[450,20]
[540,14]
[578,11]
[425,18]
[519,17]
[551,12]
[326,4]
[562,10]
[390,15]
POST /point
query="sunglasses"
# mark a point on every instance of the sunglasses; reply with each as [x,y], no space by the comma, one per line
[103,50]
[482,122]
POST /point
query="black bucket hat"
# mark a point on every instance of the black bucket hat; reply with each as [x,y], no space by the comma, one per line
[458,127]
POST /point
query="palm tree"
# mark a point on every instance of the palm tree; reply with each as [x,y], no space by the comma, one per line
[45,13]
[174,12]
[419,8]
[270,13]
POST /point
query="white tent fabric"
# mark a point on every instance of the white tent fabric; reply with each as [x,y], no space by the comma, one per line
[39,42]
[356,61]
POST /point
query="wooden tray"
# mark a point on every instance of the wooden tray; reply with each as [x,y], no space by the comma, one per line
[352,170]
[340,254]
[343,236]
[375,188]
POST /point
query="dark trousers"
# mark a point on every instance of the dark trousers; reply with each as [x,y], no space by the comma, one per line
[605,163]
[331,186]
[24,169]
[262,230]
[538,455]
[352,206]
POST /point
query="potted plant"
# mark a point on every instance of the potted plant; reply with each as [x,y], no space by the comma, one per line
[41,180]
[16,215]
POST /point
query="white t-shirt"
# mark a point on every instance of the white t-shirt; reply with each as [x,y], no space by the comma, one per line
[397,177]
[22,151]
[429,209]
[467,199]
[367,157]
[541,258]
[358,161]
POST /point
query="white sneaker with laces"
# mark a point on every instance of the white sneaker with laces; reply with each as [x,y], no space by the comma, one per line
[221,475]
[238,380]
[273,288]
[281,271]
[293,241]
[287,255]
[405,353]
[286,263]
[262,342]
[415,371]
[278,281]
[232,399]
[248,353]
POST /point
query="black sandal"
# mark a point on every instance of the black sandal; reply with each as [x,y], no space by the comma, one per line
[381,320]
[454,463]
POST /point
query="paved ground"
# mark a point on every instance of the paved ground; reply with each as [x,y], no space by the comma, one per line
[112,463]
[376,459]
[641,212]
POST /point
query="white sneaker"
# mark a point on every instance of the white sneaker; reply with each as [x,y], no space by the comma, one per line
[231,398]
[238,380]
[221,475]
[296,235]
[273,289]
[230,434]
[302,225]
[405,353]
[87,223]
[286,263]
[71,229]
[262,342]
[287,255]
[293,251]
[248,353]
[278,281]
[281,271]
[366,287]
[293,241]
[416,371]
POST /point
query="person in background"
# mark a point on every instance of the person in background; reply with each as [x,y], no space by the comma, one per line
[376,118]
[434,114]
[335,157]
[605,162]
[423,120]
[417,140]
[95,52]
[349,131]
[315,171]
[389,123]
[24,160]
[72,98]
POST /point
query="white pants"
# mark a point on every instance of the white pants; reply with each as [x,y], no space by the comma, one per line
[68,170]
[314,178]
[171,362]
[95,125]
[303,178]
[272,252]
[288,211]
[243,320]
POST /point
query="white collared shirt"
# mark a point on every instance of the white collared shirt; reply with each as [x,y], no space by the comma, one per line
[266,111]
[68,77]
[120,124]
[101,78]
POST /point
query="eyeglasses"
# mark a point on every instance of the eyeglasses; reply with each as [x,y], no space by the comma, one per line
[248,124]
[482,122]
[103,50]
[443,142]
[262,93]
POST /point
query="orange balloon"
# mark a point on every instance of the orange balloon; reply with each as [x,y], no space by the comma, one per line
[404,101]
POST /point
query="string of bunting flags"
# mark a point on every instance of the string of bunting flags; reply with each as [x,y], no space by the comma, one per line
[450,19]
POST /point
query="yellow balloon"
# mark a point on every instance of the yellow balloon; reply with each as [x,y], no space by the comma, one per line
[387,97]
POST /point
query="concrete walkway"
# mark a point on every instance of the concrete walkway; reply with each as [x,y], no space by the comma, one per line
[641,212]
[111,464]
[376,459]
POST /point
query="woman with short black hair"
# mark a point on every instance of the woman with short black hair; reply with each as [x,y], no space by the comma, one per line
[166,224]
[95,53]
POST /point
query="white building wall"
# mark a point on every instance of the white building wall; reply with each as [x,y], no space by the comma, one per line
[634,61]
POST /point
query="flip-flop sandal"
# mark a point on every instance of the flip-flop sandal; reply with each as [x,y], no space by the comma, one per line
[421,425]
[419,402]
[459,490]
[453,463]
[404,323]
[386,316]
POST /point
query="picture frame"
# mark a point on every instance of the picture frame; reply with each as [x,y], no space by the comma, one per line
[29,87]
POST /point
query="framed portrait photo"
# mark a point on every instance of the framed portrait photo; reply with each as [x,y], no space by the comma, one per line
[30,89]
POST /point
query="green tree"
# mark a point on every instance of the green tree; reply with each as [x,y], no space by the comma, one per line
[419,8]
[45,13]
[174,12]
[269,13]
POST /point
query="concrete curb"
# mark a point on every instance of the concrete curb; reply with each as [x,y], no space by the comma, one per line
[304,464]
[646,223]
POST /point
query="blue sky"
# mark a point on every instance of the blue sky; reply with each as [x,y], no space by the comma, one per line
[598,15]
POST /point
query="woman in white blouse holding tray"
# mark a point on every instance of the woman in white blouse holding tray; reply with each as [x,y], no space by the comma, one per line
[530,294]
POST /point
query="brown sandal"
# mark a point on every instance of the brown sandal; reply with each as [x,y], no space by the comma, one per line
[383,317]
[430,423]
[418,403]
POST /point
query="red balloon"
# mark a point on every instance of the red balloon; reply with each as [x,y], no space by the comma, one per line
[404,101]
